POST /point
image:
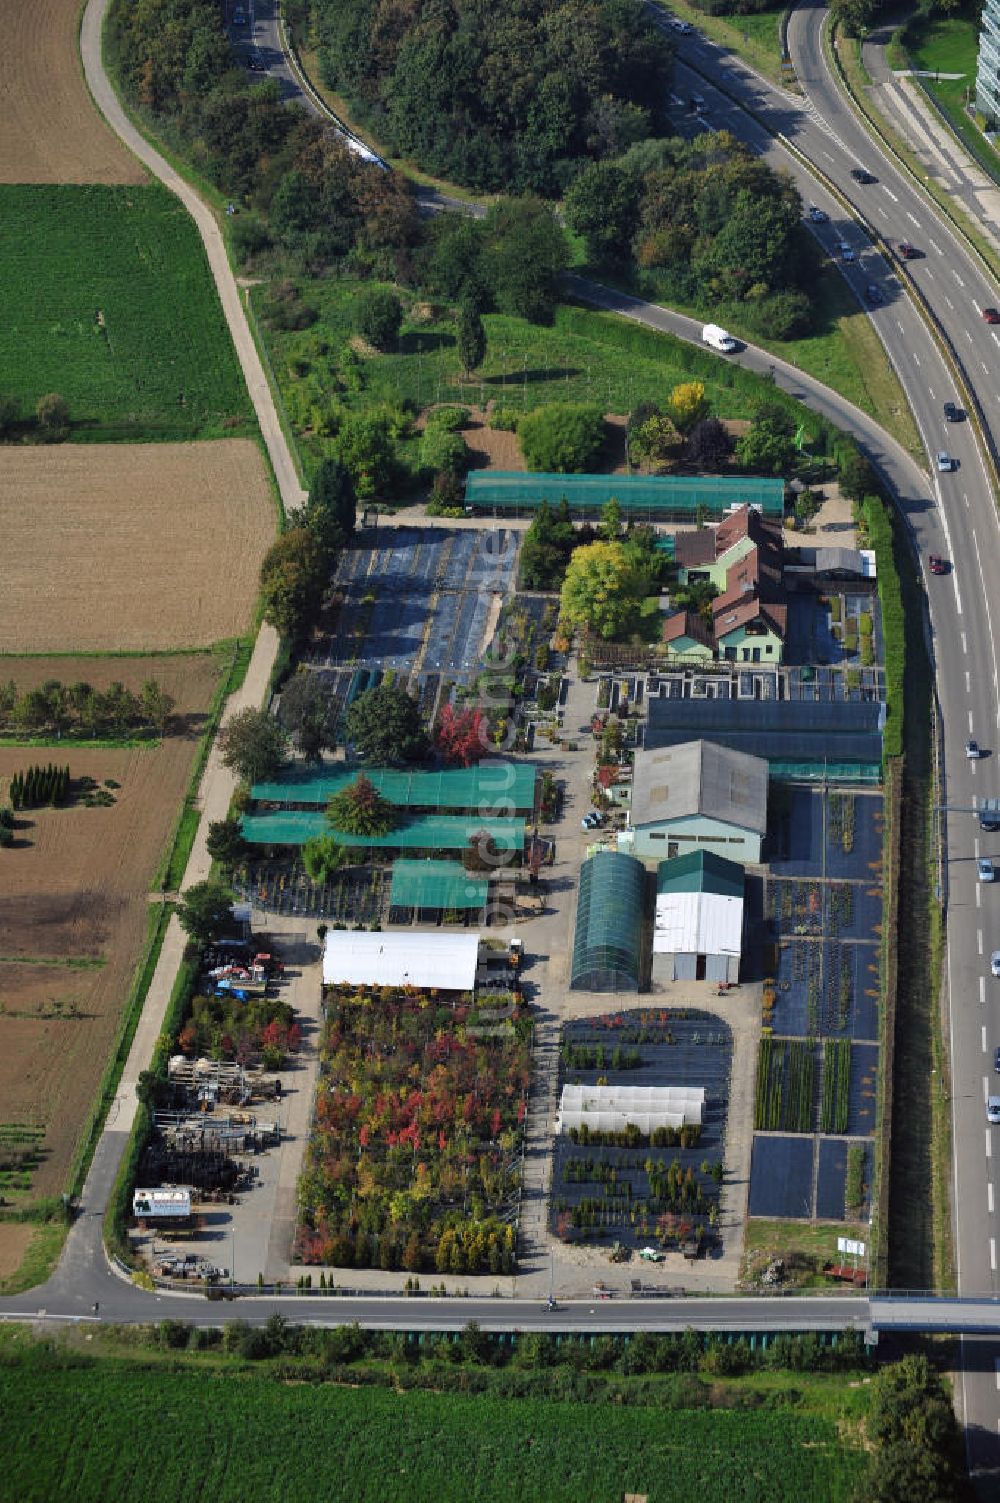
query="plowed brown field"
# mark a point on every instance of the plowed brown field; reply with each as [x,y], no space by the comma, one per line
[75,887]
[130,548]
[50,129]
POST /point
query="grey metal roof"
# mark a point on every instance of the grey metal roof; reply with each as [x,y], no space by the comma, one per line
[789,730]
[700,777]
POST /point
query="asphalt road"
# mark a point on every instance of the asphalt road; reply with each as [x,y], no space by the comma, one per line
[961,523]
[953,516]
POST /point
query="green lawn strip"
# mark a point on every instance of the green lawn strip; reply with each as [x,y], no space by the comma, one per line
[754,38]
[175,859]
[41,1255]
[845,57]
[156,928]
[106,1432]
[91,743]
[780,1239]
[110,302]
[70,962]
[585,355]
[844,353]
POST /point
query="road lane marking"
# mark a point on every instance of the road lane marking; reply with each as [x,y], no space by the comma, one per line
[958,279]
[989,1199]
[993,1269]
[968,336]
[982,1003]
[968,682]
[899,326]
[911,217]
[979,938]
[979,896]
[895,199]
[986,1084]
[970,725]
[989,1145]
[985,367]
[951,305]
[996,336]
[916,359]
[932,396]
[935,247]
[984,1025]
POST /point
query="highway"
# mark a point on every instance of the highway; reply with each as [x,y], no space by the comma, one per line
[962,525]
[952,514]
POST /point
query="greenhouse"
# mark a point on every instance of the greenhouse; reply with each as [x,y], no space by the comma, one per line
[489,788]
[680,498]
[613,1108]
[436,884]
[441,832]
[607,945]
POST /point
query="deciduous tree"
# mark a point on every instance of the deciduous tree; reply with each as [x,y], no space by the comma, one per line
[204,911]
[323,857]
[225,842]
[293,579]
[253,744]
[384,726]
[603,590]
[687,404]
[462,735]
[307,711]
[378,315]
[562,437]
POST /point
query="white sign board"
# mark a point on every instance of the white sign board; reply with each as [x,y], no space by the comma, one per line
[849,1246]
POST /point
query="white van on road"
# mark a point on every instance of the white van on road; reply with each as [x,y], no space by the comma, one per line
[718,339]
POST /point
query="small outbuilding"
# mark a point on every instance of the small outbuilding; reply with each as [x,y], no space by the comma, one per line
[698,929]
[697,796]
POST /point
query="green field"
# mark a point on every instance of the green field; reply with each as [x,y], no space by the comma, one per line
[951,45]
[111,1431]
[108,300]
[585,356]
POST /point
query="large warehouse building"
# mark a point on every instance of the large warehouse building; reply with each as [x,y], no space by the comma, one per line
[696,796]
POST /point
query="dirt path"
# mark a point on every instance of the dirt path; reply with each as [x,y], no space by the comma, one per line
[84,1245]
[106,100]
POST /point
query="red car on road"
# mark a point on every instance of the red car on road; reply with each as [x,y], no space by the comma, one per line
[991,316]
[937,565]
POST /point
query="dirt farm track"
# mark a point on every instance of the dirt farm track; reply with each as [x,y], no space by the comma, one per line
[52,132]
[74,899]
[130,548]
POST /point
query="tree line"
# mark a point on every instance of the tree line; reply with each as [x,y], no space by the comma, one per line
[80,710]
[308,194]
[515,98]
[709,221]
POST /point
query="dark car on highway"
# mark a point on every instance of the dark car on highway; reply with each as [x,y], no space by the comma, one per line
[873,293]
[937,564]
[991,316]
[862,175]
[907,252]
[952,414]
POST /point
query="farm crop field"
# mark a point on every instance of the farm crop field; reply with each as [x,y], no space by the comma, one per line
[74,904]
[52,132]
[93,1433]
[130,548]
[109,302]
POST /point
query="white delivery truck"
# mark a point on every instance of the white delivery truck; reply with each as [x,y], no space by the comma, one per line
[718,339]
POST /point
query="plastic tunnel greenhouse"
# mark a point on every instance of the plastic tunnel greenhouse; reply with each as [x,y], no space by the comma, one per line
[607,945]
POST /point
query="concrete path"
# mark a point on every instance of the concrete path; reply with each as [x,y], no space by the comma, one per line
[106,99]
[83,1249]
[902,103]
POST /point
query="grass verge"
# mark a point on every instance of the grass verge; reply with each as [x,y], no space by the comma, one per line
[40,1257]
[156,928]
[800,1239]
[843,52]
[753,38]
[171,870]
